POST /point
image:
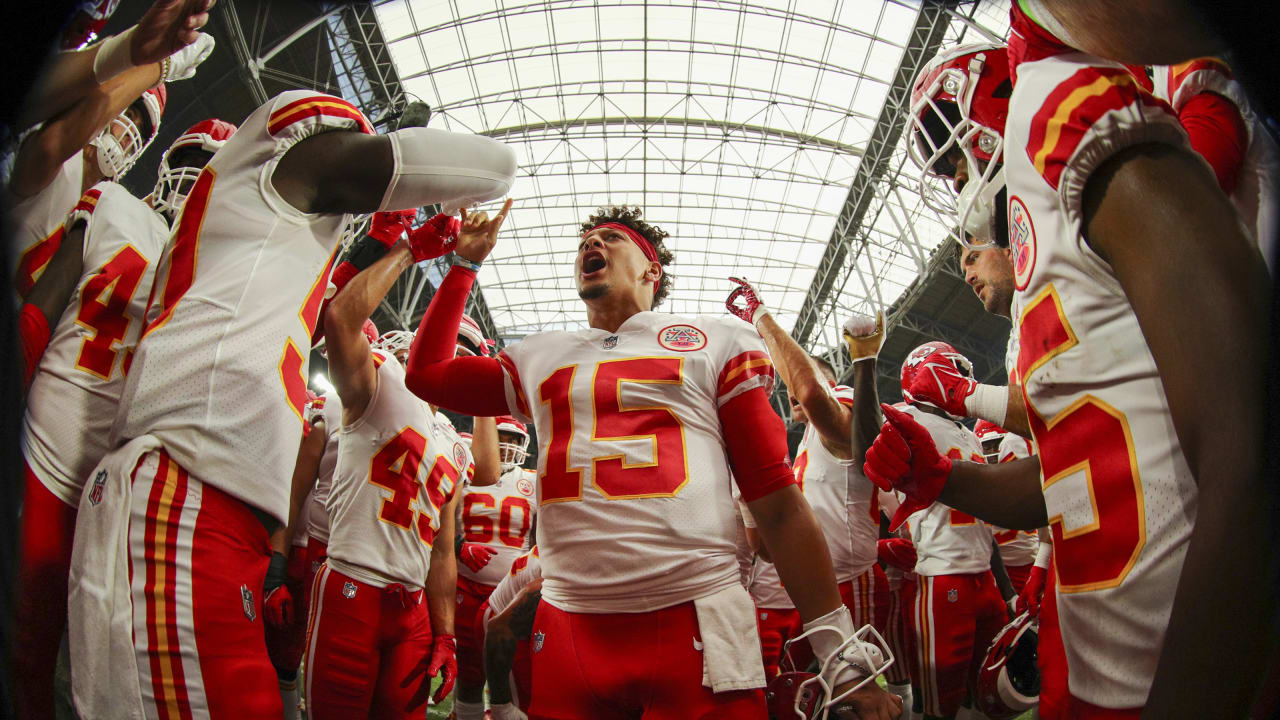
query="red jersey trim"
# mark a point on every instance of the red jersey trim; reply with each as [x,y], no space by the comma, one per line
[744,367]
[509,367]
[314,106]
[1179,72]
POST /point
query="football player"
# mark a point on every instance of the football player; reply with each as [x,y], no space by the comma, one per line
[211,413]
[508,617]
[826,466]
[1107,373]
[95,291]
[641,417]
[383,603]
[497,520]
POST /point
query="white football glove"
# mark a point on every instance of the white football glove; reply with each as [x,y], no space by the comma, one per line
[864,336]
[507,711]
[182,64]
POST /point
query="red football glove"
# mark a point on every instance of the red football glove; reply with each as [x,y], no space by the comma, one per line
[434,237]
[443,659]
[277,607]
[943,387]
[904,458]
[897,552]
[387,227]
[751,307]
[475,555]
[1029,599]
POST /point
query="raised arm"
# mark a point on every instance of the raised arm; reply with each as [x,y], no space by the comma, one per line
[484,449]
[864,336]
[1156,201]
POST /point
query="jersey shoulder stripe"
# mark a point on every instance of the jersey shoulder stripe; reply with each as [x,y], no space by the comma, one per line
[1179,73]
[743,368]
[1072,108]
[316,110]
[510,368]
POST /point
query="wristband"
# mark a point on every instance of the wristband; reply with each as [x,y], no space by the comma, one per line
[1043,554]
[114,56]
[988,402]
[758,315]
[463,262]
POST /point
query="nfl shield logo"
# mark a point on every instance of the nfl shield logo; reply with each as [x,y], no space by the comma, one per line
[349,590]
[246,602]
[952,595]
[611,342]
[99,484]
[538,637]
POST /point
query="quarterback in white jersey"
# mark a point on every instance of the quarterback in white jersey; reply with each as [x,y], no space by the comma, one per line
[639,419]
[1101,184]
[218,384]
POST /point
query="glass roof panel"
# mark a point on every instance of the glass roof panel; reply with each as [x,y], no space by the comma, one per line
[737,126]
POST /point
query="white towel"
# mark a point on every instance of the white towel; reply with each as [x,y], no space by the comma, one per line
[731,658]
[104,666]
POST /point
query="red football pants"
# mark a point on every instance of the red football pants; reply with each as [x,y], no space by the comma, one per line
[627,665]
[286,644]
[776,627]
[198,558]
[953,619]
[1018,575]
[867,597]
[899,673]
[468,626]
[317,553]
[46,529]
[367,650]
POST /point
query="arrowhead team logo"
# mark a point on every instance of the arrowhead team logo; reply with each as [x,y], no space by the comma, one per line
[99,486]
[525,486]
[682,338]
[459,456]
[1022,242]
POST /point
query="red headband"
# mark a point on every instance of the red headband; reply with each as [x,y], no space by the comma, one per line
[646,247]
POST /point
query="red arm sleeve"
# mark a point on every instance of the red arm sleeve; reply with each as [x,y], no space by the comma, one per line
[757,444]
[1216,131]
[469,385]
[33,331]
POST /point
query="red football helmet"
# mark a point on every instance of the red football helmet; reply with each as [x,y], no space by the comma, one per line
[512,454]
[960,100]
[121,142]
[470,337]
[370,331]
[990,435]
[936,353]
[801,695]
[1009,680]
[174,181]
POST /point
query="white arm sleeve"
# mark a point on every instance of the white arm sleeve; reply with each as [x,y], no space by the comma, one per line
[454,169]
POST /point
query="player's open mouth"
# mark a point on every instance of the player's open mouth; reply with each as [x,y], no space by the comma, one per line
[592,263]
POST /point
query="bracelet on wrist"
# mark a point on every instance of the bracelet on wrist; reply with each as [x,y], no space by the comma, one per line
[463,262]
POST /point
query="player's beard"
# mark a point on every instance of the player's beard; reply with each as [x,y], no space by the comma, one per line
[594,292]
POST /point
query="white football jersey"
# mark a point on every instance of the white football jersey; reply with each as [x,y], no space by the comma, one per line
[499,516]
[1017,547]
[523,570]
[766,587]
[949,542]
[1259,177]
[36,223]
[220,375]
[1120,496]
[76,389]
[842,499]
[634,503]
[329,408]
[395,472]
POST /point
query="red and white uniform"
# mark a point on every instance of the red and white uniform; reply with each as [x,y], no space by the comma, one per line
[524,570]
[845,504]
[1120,530]
[220,375]
[1258,178]
[328,408]
[628,428]
[70,406]
[36,223]
[499,516]
[956,609]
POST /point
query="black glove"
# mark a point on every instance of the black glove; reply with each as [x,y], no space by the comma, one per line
[277,573]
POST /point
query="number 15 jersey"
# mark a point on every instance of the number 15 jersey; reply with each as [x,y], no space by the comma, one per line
[634,501]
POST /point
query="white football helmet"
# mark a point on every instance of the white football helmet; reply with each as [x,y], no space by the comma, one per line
[512,454]
[802,695]
[121,143]
[393,342]
[470,337]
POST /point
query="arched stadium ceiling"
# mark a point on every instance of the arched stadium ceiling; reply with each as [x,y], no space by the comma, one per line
[739,127]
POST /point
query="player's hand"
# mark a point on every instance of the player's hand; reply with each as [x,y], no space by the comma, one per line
[444,650]
[167,27]
[944,387]
[864,335]
[475,555]
[869,703]
[751,308]
[897,552]
[273,583]
[183,64]
[434,237]
[507,711]
[479,234]
[1028,600]
[903,457]
[277,607]
[386,227]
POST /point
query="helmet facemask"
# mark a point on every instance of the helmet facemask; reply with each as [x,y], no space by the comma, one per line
[174,182]
[513,445]
[119,145]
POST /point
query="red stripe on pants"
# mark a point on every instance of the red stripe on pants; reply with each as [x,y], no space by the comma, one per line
[167,494]
[896,635]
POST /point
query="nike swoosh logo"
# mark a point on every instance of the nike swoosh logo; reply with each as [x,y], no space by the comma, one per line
[697,645]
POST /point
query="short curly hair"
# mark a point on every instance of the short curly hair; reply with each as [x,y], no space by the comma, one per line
[629,216]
